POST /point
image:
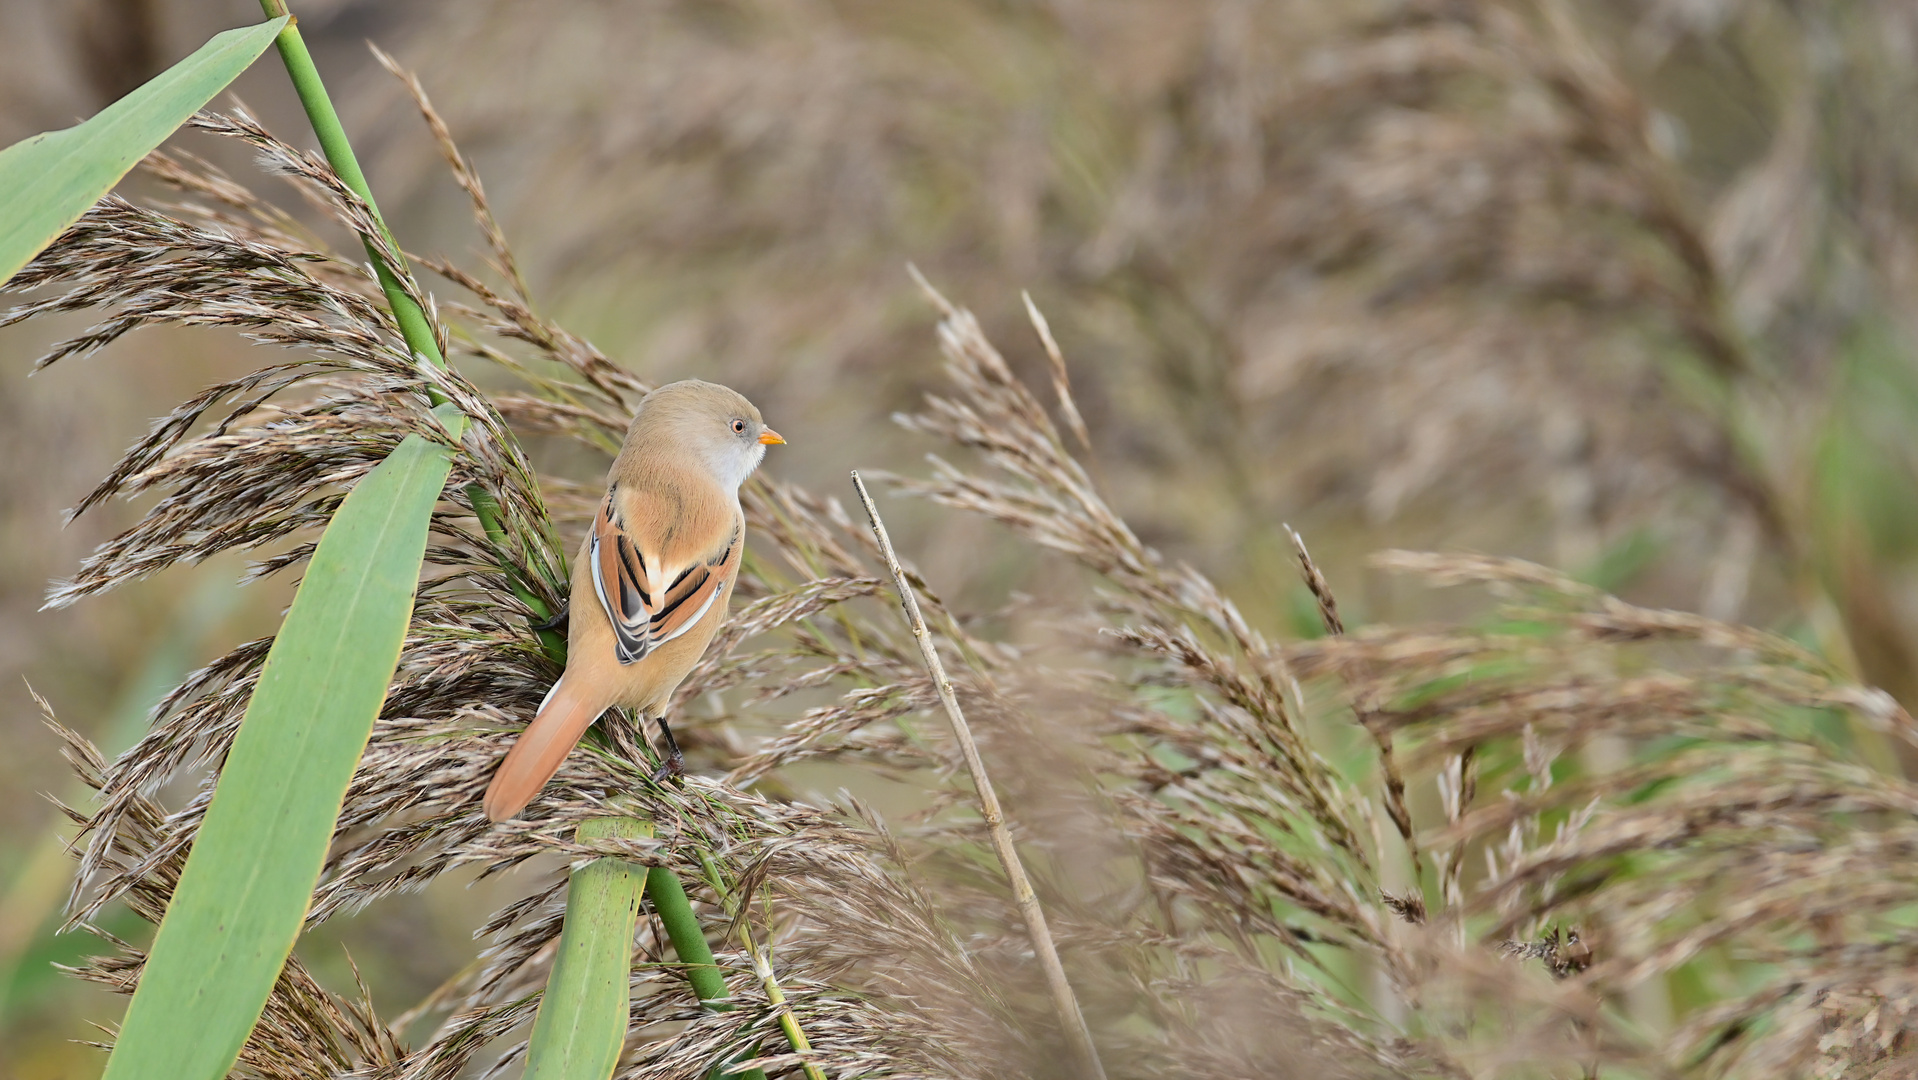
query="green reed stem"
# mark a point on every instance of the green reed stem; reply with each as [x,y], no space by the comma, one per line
[580,1029]
[339,154]
[689,938]
[689,944]
[762,966]
[413,324]
[486,508]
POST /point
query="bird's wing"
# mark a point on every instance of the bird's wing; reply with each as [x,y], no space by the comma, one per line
[655,590]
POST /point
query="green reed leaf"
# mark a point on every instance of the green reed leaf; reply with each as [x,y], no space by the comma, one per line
[243,896]
[581,1026]
[49,180]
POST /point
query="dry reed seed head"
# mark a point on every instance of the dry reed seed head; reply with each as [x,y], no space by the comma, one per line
[1316,583]
[1562,952]
[1754,774]
[502,255]
[1410,907]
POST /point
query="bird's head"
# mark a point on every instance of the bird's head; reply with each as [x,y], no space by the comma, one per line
[714,423]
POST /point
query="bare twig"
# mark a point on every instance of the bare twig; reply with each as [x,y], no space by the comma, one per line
[1063,1001]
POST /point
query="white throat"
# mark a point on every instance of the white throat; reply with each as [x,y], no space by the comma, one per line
[731,468]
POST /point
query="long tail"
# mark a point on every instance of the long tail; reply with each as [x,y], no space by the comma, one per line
[569,709]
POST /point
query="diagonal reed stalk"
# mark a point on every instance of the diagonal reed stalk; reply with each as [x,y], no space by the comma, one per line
[735,909]
[414,325]
[1064,1003]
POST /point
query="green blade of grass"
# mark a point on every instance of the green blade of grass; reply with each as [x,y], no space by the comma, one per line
[580,1029]
[242,898]
[49,180]
[581,1025]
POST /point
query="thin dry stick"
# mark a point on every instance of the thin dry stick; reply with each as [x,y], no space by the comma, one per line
[1063,1001]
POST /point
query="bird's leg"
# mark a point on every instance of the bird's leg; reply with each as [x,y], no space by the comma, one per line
[558,621]
[674,766]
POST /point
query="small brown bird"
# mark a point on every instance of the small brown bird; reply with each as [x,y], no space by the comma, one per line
[651,582]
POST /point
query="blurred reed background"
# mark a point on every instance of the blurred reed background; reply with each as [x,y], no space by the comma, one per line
[1625,288]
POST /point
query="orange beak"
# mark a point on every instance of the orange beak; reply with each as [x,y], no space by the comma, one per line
[772,438]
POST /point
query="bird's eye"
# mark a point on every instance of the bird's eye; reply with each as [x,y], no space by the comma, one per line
[739,427]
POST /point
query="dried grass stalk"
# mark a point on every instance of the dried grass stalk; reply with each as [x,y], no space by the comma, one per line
[1071,1020]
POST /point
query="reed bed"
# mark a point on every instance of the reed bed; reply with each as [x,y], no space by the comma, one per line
[1464,848]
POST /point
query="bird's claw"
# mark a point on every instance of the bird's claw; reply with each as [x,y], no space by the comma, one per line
[557,622]
[673,768]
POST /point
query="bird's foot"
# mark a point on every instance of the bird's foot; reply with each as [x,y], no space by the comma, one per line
[673,768]
[558,621]
[674,765]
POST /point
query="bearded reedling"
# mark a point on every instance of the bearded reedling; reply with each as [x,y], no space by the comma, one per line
[651,581]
